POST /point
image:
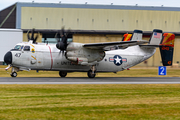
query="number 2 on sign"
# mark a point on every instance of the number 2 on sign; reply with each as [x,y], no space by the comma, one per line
[162,71]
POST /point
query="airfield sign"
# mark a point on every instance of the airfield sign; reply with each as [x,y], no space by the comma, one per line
[162,70]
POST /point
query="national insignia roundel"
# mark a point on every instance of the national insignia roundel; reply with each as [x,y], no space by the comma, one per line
[117,60]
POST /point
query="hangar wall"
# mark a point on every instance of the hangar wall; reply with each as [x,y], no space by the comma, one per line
[99,19]
[95,38]
[39,39]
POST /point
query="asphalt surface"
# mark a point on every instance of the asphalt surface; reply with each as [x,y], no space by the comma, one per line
[84,80]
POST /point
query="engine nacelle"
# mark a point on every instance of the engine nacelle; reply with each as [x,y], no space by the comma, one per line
[78,60]
[71,54]
[74,46]
[76,53]
[101,56]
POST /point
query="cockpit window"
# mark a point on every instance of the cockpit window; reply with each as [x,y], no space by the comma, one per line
[27,48]
[22,47]
[17,47]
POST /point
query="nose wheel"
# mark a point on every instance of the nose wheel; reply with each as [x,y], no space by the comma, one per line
[13,74]
[14,71]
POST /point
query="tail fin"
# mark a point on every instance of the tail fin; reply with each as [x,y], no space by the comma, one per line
[167,48]
[137,35]
[165,42]
[127,37]
[156,37]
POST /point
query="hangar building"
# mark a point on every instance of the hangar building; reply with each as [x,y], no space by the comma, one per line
[93,23]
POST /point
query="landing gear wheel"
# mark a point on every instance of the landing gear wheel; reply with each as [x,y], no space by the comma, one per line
[62,73]
[14,74]
[90,74]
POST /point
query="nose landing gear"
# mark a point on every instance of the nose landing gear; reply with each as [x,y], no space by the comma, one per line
[14,72]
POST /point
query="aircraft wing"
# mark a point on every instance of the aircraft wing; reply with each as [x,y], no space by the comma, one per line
[122,44]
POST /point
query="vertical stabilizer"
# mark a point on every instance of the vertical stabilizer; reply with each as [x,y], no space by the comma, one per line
[137,35]
[167,48]
[156,37]
[127,37]
[165,42]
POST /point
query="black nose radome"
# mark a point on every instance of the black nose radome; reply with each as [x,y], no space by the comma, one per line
[8,58]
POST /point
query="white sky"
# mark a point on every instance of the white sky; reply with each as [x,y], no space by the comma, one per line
[165,3]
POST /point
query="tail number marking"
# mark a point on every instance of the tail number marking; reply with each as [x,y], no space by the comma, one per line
[165,48]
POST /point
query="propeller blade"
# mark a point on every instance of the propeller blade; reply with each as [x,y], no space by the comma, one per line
[35,39]
[59,52]
[62,31]
[32,34]
[32,37]
[28,35]
[68,31]
[58,39]
[62,45]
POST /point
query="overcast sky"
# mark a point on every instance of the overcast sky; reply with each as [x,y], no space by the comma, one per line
[165,3]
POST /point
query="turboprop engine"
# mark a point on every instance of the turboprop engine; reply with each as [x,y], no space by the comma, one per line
[76,53]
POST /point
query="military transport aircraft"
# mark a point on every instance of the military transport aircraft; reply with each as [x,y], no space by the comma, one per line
[91,58]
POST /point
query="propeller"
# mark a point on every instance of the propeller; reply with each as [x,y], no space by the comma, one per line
[33,38]
[62,45]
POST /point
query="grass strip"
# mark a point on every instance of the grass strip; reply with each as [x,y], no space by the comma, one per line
[96,102]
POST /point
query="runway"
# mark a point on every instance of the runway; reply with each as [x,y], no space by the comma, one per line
[84,80]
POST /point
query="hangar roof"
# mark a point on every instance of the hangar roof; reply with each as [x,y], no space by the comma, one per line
[96,6]
[19,5]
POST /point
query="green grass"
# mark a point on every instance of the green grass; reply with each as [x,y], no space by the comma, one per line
[90,102]
[133,72]
[106,102]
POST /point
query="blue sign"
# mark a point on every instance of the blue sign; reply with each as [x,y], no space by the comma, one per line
[162,70]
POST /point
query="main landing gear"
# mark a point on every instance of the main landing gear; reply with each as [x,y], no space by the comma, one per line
[92,72]
[62,73]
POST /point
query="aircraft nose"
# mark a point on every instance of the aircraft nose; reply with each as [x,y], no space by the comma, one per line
[8,58]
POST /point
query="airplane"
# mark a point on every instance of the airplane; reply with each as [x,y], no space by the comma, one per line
[92,57]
